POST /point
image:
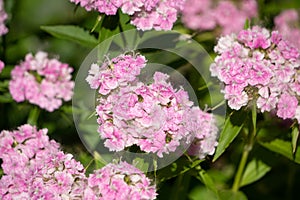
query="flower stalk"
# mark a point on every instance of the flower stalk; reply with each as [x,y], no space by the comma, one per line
[247,148]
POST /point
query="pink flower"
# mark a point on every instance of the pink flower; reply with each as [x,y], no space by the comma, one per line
[151,116]
[119,181]
[1,66]
[207,15]
[120,71]
[3,17]
[286,107]
[146,14]
[266,73]
[42,81]
[286,22]
[34,167]
[203,126]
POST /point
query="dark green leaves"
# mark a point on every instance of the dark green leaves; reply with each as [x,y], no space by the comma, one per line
[180,166]
[231,129]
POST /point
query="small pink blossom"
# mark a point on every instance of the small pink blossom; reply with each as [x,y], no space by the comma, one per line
[203,125]
[42,81]
[286,107]
[120,71]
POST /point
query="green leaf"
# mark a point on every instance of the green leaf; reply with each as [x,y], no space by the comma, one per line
[180,166]
[99,161]
[33,115]
[207,181]
[282,147]
[230,195]
[247,24]
[200,192]
[6,98]
[109,27]
[141,164]
[255,170]
[295,135]
[72,33]
[229,132]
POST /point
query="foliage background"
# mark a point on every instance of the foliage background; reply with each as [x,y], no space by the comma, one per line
[25,35]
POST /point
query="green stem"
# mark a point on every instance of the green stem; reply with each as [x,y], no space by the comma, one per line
[239,173]
[33,116]
[247,148]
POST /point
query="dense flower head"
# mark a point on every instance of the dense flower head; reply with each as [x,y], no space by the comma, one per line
[120,71]
[119,181]
[206,15]
[149,116]
[287,23]
[259,66]
[42,81]
[146,14]
[152,116]
[35,168]
[3,17]
[1,65]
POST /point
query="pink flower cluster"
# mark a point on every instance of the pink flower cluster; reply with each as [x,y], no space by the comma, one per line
[120,71]
[259,66]
[206,15]
[3,17]
[146,14]
[122,181]
[35,168]
[1,66]
[42,81]
[155,116]
[203,125]
[287,23]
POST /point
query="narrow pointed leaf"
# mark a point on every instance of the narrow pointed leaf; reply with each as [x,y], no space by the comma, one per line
[72,33]
[255,170]
[229,132]
[295,135]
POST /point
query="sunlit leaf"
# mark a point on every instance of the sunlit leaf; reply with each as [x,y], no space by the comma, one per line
[255,170]
[282,147]
[99,161]
[295,136]
[247,24]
